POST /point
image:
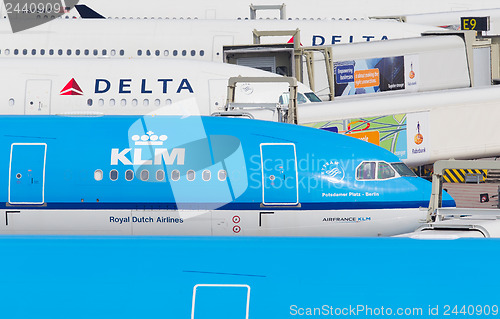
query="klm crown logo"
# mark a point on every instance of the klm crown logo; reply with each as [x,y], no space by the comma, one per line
[149,139]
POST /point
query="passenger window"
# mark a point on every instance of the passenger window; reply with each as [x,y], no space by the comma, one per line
[104,52]
[113,175]
[60,52]
[42,51]
[96,52]
[148,53]
[98,175]
[112,102]
[165,53]
[87,52]
[122,52]
[184,52]
[100,102]
[191,175]
[51,52]
[145,102]
[193,52]
[174,52]
[176,175]
[157,52]
[157,102]
[33,52]
[202,53]
[11,102]
[366,171]
[385,171]
[123,102]
[222,175]
[144,175]
[134,102]
[206,175]
[168,102]
[89,102]
[77,51]
[25,52]
[16,52]
[7,51]
[129,175]
[139,52]
[112,52]
[68,52]
[160,175]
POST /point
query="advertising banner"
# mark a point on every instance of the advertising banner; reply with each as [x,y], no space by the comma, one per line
[374,75]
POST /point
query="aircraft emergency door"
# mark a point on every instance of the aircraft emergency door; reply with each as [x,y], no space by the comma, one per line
[279,174]
[37,101]
[27,173]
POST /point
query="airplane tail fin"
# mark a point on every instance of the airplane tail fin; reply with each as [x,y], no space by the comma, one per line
[87,13]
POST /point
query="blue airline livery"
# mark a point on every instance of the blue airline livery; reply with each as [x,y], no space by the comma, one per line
[161,175]
[57,277]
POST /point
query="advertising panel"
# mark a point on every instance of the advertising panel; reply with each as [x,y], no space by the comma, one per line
[376,75]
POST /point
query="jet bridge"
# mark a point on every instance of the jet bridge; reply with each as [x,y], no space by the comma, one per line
[264,111]
[438,60]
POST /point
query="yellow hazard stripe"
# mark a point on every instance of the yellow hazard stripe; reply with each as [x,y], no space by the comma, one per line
[458,175]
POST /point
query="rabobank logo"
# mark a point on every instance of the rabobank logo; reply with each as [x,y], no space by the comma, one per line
[412,73]
[72,88]
[334,171]
[419,138]
[151,155]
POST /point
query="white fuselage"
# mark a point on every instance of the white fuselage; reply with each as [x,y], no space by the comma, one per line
[128,86]
[226,9]
[328,223]
[186,39]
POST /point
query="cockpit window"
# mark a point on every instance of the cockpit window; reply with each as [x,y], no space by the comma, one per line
[301,98]
[385,171]
[312,97]
[402,169]
[381,170]
[366,171]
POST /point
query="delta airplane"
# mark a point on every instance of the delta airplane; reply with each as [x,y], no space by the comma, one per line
[193,39]
[160,175]
[315,9]
[132,86]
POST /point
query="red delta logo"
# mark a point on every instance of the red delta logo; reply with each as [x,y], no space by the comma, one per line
[72,88]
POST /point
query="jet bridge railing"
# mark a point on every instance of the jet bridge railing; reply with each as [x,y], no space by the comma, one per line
[292,82]
[257,35]
[255,8]
[437,179]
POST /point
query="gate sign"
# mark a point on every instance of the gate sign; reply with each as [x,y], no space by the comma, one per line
[475,23]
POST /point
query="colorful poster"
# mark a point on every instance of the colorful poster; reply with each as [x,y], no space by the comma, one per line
[370,75]
[388,132]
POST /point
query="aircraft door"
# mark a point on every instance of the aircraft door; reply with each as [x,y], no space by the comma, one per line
[27,173]
[218,95]
[218,43]
[37,101]
[279,174]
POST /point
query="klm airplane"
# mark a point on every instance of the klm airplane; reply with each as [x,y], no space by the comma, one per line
[161,175]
